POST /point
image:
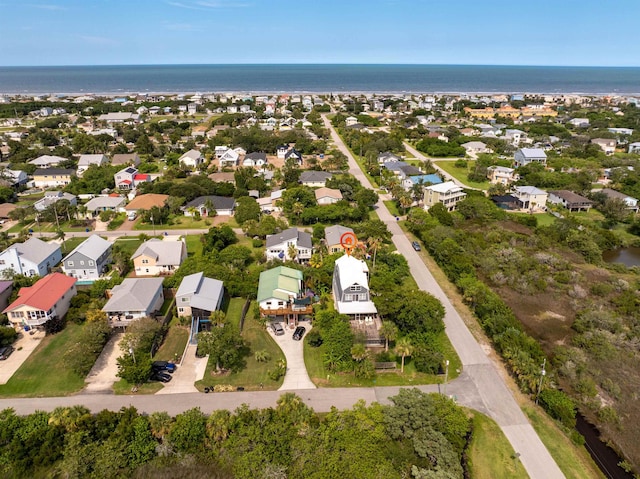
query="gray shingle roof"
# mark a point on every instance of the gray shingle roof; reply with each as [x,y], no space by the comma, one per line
[165,252]
[314,176]
[93,247]
[332,234]
[304,239]
[35,250]
[134,294]
[219,202]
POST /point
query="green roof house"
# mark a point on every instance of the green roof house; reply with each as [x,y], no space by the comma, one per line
[280,294]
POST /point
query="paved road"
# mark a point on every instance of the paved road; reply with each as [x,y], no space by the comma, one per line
[485,381]
[296,376]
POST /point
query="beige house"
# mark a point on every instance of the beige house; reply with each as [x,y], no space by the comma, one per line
[531,198]
[447,193]
[501,175]
[156,257]
[327,196]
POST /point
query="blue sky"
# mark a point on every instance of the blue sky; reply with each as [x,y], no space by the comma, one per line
[491,32]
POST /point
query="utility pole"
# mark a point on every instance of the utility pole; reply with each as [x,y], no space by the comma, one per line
[542,375]
[154,226]
[446,376]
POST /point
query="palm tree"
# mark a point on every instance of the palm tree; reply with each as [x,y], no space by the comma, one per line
[404,348]
[160,423]
[68,417]
[211,209]
[315,261]
[262,356]
[292,252]
[374,244]
[389,332]
[218,425]
[405,201]
[217,318]
[297,210]
[359,353]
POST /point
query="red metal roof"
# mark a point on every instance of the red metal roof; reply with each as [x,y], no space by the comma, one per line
[141,176]
[45,293]
[125,182]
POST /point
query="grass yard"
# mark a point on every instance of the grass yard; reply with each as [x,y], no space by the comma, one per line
[128,245]
[392,207]
[44,373]
[194,245]
[69,244]
[174,342]
[313,359]
[574,461]
[490,454]
[123,387]
[460,174]
[233,310]
[255,373]
[544,219]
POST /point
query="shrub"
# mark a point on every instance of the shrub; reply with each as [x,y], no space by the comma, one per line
[314,338]
[559,406]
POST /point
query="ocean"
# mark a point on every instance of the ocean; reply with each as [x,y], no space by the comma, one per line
[114,80]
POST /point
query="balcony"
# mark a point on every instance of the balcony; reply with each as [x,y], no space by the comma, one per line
[287,310]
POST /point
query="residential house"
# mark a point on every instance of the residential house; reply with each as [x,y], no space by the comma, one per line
[422,180]
[621,131]
[97,205]
[634,147]
[229,158]
[295,155]
[88,260]
[632,203]
[608,145]
[6,288]
[34,257]
[210,206]
[515,137]
[327,196]
[447,193]
[476,147]
[5,209]
[350,121]
[52,177]
[255,160]
[501,175]
[52,197]
[526,156]
[280,245]
[14,178]
[49,298]
[156,257]
[570,200]
[199,296]
[272,202]
[352,298]
[119,117]
[579,122]
[220,150]
[314,179]
[531,198]
[280,295]
[191,159]
[85,161]
[124,178]
[146,202]
[281,151]
[48,161]
[333,237]
[387,157]
[133,299]
[223,177]
[125,159]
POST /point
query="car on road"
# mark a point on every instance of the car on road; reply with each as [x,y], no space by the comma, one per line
[5,352]
[160,376]
[163,366]
[277,328]
[416,245]
[298,333]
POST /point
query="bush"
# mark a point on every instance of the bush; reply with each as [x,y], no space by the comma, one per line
[83,354]
[559,406]
[257,243]
[314,338]
[7,335]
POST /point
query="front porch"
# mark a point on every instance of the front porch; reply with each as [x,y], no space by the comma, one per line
[367,325]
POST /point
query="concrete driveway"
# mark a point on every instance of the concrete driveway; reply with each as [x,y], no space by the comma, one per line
[190,370]
[23,347]
[296,376]
[103,373]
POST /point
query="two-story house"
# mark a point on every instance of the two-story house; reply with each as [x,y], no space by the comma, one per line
[255,160]
[570,200]
[531,198]
[133,299]
[199,296]
[191,159]
[525,156]
[48,298]
[156,257]
[282,245]
[85,161]
[52,177]
[333,237]
[608,145]
[88,260]
[501,175]
[34,257]
[280,294]
[447,193]
[125,178]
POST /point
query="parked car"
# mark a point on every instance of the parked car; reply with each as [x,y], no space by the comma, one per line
[278,330]
[298,333]
[416,246]
[160,376]
[163,366]
[5,352]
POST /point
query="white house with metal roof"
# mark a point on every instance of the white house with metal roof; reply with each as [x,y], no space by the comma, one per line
[526,156]
[278,245]
[531,198]
[191,159]
[85,161]
[351,288]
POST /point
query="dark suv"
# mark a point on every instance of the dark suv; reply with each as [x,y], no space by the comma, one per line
[298,333]
[416,245]
[5,352]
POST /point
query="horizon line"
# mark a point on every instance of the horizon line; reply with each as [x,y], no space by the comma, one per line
[318,64]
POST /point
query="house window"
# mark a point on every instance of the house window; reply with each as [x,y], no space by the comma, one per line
[145,261]
[184,300]
[181,310]
[69,263]
[280,303]
[82,263]
[90,263]
[354,288]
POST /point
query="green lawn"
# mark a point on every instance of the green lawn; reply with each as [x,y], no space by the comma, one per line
[544,219]
[44,373]
[255,373]
[460,174]
[70,243]
[313,359]
[174,342]
[233,311]
[123,387]
[490,454]
[392,207]
[128,245]
[194,245]
[574,461]
[183,223]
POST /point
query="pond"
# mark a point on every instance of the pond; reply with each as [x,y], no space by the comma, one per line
[627,256]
